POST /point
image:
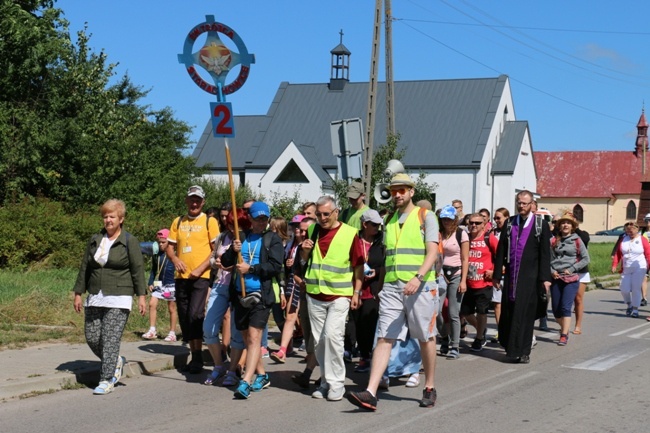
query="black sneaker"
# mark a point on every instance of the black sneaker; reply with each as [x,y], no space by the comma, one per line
[477,345]
[363,399]
[429,396]
[301,380]
[444,346]
[644,302]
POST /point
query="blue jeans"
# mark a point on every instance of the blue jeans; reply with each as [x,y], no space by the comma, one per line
[562,296]
[218,303]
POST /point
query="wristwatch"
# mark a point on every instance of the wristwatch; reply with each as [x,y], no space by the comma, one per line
[420,277]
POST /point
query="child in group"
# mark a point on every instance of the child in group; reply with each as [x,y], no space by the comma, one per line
[161,286]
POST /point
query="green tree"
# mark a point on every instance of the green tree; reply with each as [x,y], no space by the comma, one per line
[67,133]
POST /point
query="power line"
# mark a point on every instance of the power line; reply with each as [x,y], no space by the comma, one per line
[566,101]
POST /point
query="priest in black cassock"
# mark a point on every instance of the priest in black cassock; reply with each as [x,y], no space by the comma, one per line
[525,251]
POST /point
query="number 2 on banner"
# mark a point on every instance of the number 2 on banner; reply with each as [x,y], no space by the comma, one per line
[223,124]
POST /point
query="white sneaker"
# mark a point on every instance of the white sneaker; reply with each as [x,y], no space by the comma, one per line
[335,395]
[321,392]
[104,387]
[534,341]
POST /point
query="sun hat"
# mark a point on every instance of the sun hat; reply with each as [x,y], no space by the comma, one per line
[402,179]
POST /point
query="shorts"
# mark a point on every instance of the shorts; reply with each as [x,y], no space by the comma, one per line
[476,301]
[585,278]
[292,295]
[166,293]
[255,317]
[400,315]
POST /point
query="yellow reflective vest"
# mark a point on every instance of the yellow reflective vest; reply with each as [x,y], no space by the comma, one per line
[405,248]
[332,275]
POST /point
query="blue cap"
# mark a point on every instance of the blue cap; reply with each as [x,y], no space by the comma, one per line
[258,209]
[448,212]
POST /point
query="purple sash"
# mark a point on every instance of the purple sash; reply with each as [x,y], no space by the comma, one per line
[518,238]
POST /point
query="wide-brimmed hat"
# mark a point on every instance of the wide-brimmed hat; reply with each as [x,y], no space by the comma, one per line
[567,216]
[402,179]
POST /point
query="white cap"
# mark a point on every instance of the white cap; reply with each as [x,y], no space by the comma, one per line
[647,217]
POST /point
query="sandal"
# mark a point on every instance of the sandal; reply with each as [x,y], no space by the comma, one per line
[171,337]
[150,335]
[413,381]
[576,331]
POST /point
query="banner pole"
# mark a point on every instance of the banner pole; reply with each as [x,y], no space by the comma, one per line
[234,213]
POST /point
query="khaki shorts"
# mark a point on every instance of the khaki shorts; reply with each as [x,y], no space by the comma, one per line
[414,314]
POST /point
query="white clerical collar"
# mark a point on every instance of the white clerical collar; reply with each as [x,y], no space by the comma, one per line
[528,220]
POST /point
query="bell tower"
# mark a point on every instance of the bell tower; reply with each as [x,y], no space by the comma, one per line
[641,151]
[340,71]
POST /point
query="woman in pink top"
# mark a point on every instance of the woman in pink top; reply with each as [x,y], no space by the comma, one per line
[454,249]
[634,252]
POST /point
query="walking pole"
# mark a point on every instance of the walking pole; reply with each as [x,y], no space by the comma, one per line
[234,212]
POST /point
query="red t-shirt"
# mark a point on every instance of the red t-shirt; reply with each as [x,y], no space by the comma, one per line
[481,258]
[324,240]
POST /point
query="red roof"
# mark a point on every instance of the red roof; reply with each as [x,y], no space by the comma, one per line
[587,174]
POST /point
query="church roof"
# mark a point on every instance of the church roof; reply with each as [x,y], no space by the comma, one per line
[442,123]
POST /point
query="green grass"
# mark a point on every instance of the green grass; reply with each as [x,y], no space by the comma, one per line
[36,306]
[600,256]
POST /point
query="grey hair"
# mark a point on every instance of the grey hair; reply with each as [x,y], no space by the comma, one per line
[326,199]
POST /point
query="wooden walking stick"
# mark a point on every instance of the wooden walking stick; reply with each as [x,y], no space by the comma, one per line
[234,212]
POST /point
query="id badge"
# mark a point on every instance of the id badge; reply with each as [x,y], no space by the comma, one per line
[187,250]
[157,283]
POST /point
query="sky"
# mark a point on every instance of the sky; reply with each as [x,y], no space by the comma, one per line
[579,70]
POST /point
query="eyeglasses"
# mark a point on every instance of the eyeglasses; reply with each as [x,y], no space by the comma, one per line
[523,203]
[475,223]
[325,214]
[400,191]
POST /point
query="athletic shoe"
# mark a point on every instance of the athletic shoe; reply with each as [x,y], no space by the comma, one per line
[230,379]
[534,343]
[279,356]
[453,353]
[243,391]
[644,302]
[495,338]
[335,395]
[150,334]
[429,396]
[261,381]
[628,311]
[477,345]
[321,392]
[363,366]
[265,352]
[484,339]
[635,314]
[564,339]
[463,330]
[119,369]
[362,399]
[543,325]
[347,356]
[301,380]
[171,337]
[214,375]
[104,387]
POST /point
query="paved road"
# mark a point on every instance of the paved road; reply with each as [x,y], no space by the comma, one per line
[597,383]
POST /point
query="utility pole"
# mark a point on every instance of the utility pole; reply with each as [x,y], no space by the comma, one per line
[372,100]
[390,101]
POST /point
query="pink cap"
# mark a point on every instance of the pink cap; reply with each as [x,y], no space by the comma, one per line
[163,233]
[297,219]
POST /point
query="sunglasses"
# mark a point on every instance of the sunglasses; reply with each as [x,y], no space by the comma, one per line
[475,223]
[400,191]
[324,214]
